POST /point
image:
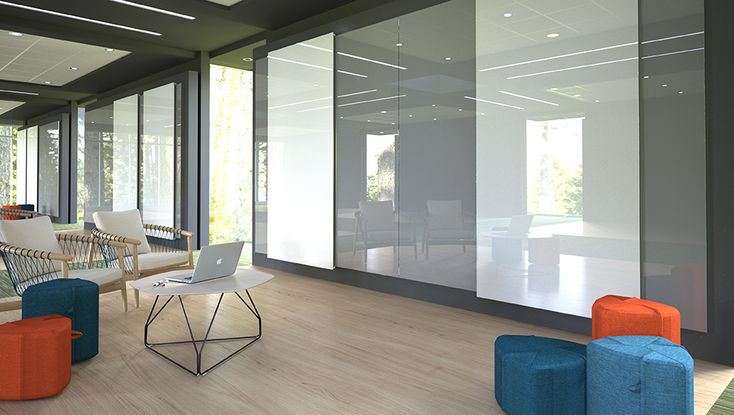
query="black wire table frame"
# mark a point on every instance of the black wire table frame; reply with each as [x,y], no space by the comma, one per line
[199,344]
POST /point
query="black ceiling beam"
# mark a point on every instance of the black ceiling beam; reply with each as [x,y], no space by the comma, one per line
[239,44]
[51,92]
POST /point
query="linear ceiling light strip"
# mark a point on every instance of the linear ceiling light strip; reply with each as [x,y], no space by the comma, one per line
[154,9]
[80,18]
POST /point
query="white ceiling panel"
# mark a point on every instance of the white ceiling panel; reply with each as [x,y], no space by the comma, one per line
[46,61]
[6,106]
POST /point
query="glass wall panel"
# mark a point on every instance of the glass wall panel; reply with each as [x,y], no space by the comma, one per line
[557,153]
[125,153]
[674,179]
[32,166]
[368,97]
[98,161]
[21,167]
[436,157]
[48,169]
[7,171]
[260,149]
[300,156]
[157,149]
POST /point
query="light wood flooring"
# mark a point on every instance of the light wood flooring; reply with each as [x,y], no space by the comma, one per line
[326,349]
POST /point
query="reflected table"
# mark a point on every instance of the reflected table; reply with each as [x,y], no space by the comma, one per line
[242,280]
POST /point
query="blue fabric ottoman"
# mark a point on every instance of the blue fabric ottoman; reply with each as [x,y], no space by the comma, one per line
[538,375]
[73,298]
[638,375]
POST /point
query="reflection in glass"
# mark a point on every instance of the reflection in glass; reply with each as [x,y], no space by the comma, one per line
[48,171]
[557,154]
[674,179]
[157,149]
[300,153]
[260,149]
[124,153]
[7,142]
[98,161]
[32,166]
[21,166]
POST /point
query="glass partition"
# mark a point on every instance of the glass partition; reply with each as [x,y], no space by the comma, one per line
[125,153]
[21,167]
[48,169]
[557,154]
[300,159]
[367,139]
[260,158]
[157,149]
[674,179]
[32,166]
[98,161]
[7,143]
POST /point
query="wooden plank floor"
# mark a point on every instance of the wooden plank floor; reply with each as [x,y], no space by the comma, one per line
[327,349]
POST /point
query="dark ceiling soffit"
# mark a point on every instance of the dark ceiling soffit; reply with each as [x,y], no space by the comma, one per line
[50,116]
[47,92]
[88,37]
[239,44]
[139,85]
[342,19]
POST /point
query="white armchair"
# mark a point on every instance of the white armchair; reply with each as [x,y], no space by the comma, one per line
[165,251]
[33,253]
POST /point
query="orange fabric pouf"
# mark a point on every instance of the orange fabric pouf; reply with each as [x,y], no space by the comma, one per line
[35,357]
[613,315]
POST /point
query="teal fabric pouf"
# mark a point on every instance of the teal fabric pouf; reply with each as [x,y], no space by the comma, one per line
[73,298]
[639,375]
[539,375]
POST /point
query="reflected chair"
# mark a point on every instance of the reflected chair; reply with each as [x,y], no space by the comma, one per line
[444,225]
[14,212]
[148,249]
[377,226]
[33,253]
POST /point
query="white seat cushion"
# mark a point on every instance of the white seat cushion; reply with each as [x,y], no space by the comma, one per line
[36,233]
[100,276]
[125,223]
[153,260]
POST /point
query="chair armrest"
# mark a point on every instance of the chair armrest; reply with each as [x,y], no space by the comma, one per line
[96,233]
[169,229]
[18,212]
[34,253]
[81,238]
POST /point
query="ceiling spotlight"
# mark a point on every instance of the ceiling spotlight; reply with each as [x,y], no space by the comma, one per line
[15,34]
[461,109]
[383,112]
[369,120]
[507,14]
[411,115]
[646,77]
[664,85]
[315,84]
[552,35]
[435,119]
[596,100]
[448,58]
[680,92]
[109,49]
[433,105]
[382,132]
[47,82]
[248,59]
[398,44]
[73,68]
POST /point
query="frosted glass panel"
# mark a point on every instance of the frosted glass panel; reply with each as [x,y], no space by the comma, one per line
[300,158]
[21,167]
[557,138]
[125,153]
[32,167]
[48,169]
[158,151]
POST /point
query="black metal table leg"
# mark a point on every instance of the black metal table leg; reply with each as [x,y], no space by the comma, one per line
[199,344]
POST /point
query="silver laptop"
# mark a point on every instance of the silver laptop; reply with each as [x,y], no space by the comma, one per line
[215,261]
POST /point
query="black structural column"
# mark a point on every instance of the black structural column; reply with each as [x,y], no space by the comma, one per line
[203,200]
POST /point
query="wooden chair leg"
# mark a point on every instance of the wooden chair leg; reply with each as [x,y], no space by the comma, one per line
[123,292]
[137,298]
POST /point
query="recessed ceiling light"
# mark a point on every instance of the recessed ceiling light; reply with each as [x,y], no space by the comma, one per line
[47,82]
[680,92]
[507,14]
[646,77]
[11,91]
[398,44]
[461,109]
[552,35]
[448,58]
[315,84]
[73,68]
[383,112]
[382,132]
[109,49]
[154,9]
[596,100]
[576,95]
[664,85]
[80,18]
[92,122]
[433,105]
[247,59]
[15,34]
[110,117]
[369,120]
[435,119]
[411,115]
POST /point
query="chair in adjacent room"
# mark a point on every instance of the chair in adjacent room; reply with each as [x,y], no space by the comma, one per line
[34,253]
[378,227]
[444,225]
[15,212]
[148,249]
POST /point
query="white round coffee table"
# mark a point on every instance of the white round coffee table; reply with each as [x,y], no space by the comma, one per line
[242,280]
